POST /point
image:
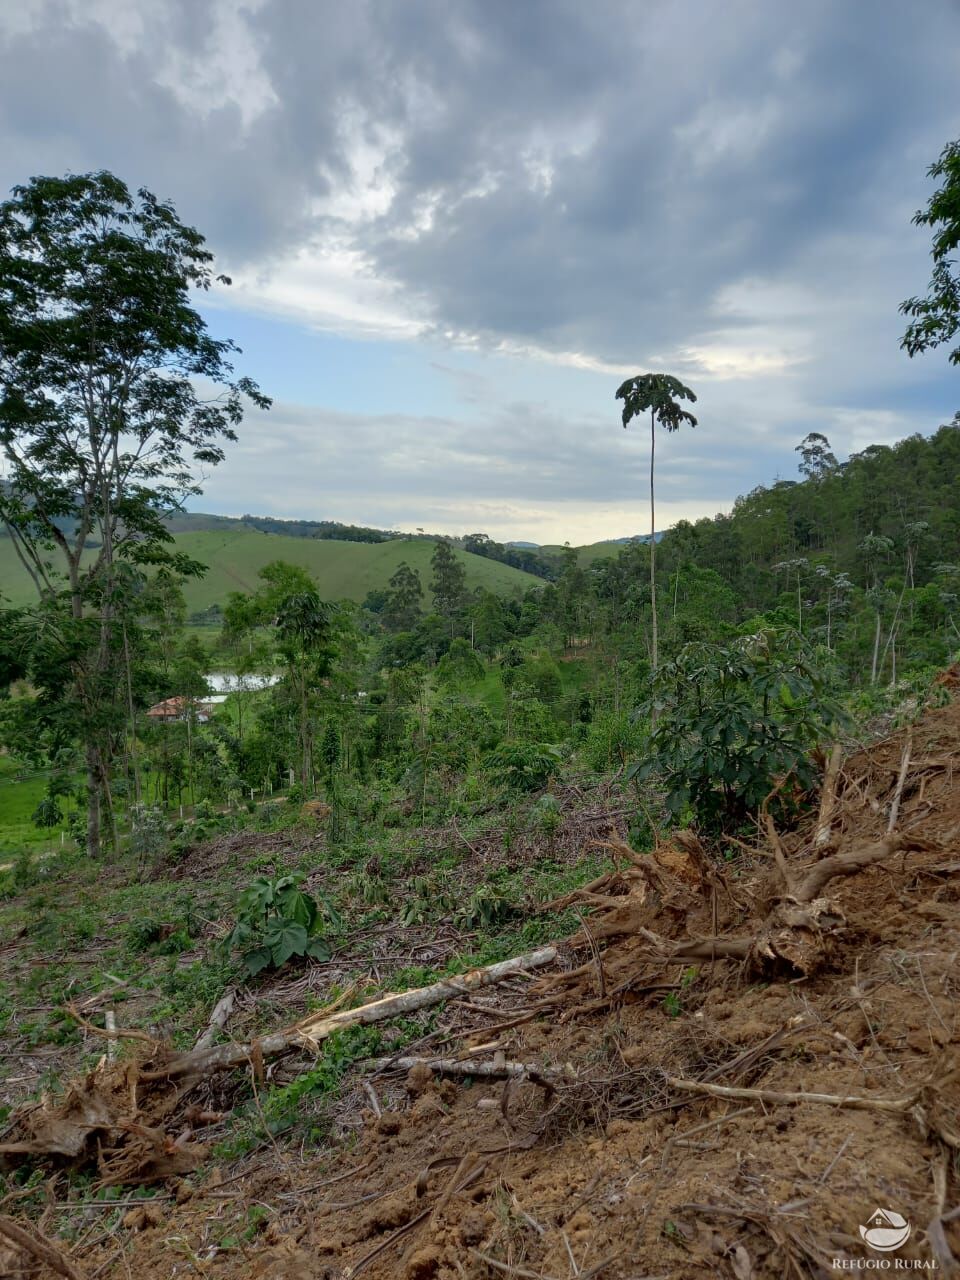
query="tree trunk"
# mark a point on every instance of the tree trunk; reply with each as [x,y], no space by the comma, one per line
[876,651]
[93,802]
[307,760]
[133,718]
[654,651]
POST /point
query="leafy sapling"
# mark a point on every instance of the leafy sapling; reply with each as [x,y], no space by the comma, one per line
[277,920]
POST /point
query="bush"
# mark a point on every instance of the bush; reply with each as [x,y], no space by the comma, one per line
[613,739]
[735,723]
[524,766]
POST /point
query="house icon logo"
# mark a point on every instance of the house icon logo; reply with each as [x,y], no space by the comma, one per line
[886,1231]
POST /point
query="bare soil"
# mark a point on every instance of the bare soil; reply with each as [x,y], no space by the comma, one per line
[626,1165]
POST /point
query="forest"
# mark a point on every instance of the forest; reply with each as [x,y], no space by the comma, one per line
[293,885]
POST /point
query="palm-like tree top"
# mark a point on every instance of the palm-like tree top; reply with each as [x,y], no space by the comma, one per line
[658,393]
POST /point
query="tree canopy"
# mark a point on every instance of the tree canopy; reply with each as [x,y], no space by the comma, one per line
[113,394]
[936,317]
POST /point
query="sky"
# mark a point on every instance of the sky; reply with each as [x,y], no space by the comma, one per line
[454,226]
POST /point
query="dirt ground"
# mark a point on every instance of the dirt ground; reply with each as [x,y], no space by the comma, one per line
[653,1139]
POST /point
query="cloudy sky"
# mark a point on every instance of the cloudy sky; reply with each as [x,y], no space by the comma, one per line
[455,225]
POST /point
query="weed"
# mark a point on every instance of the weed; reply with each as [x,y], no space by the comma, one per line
[486,907]
[306,1099]
[671,1005]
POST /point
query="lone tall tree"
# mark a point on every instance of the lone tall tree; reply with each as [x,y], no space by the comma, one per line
[104,371]
[657,394]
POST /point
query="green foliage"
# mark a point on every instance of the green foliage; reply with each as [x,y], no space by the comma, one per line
[547,816]
[403,604]
[524,766]
[425,899]
[449,582]
[486,908]
[305,1103]
[657,394]
[276,920]
[612,739]
[102,426]
[936,318]
[460,664]
[735,723]
[48,812]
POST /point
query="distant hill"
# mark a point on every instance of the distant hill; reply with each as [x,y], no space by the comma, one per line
[609,549]
[235,553]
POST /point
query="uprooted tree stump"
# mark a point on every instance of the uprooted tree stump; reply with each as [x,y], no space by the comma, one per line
[798,936]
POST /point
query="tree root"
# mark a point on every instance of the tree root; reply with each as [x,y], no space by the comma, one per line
[40,1248]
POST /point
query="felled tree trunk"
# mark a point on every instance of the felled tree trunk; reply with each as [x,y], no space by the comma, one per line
[309,1033]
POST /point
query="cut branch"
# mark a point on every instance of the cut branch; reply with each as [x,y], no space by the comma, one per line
[39,1247]
[310,1032]
[851,1101]
[222,1011]
[901,779]
[828,797]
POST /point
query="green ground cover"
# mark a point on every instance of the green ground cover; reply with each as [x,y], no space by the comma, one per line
[343,570]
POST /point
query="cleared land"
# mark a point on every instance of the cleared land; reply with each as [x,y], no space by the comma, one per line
[728,1065]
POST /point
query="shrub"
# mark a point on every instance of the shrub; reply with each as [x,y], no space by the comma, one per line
[735,723]
[613,738]
[277,920]
[524,766]
[486,907]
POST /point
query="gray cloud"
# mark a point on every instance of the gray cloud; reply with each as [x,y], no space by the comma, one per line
[723,188]
[519,469]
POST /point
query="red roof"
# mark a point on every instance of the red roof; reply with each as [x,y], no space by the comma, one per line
[174,708]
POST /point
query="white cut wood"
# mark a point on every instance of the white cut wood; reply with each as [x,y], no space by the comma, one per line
[828,797]
[222,1011]
[478,1070]
[311,1032]
[901,779]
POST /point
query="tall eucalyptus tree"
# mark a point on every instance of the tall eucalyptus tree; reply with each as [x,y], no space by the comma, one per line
[658,394]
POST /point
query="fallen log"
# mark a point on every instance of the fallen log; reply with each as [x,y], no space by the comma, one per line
[548,1077]
[310,1032]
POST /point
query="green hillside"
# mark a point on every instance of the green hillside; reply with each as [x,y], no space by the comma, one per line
[343,570]
[590,554]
